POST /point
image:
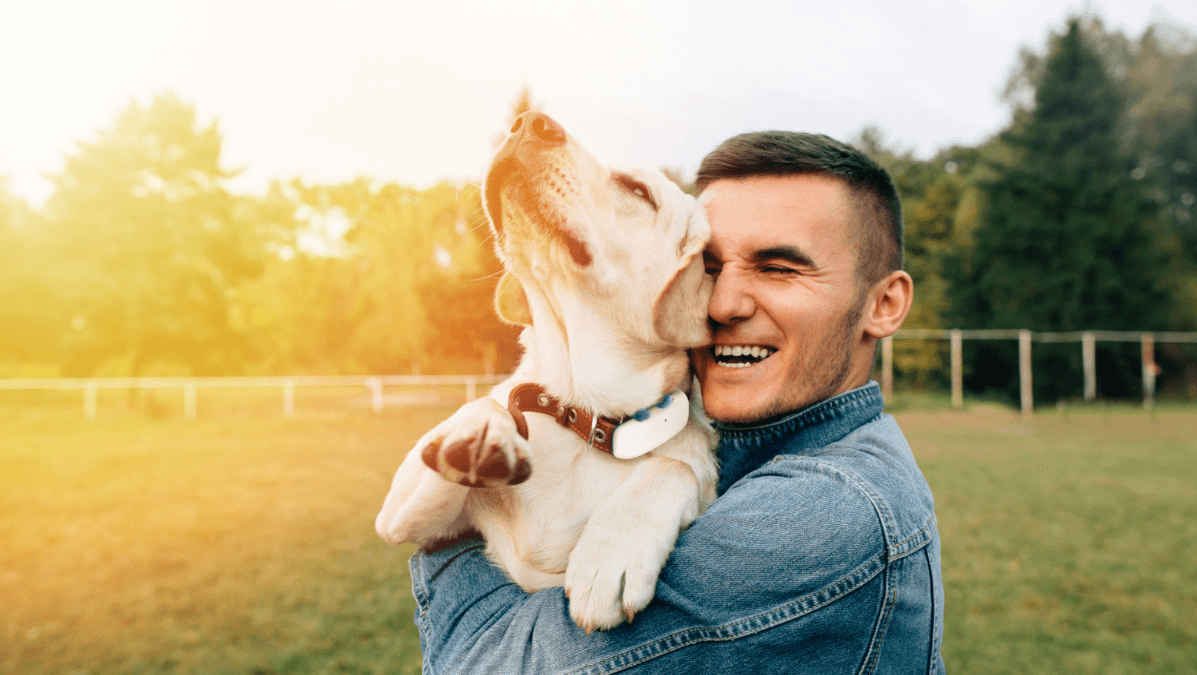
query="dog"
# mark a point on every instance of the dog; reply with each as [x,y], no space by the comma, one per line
[583,467]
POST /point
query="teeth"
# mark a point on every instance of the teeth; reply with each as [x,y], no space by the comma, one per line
[755,351]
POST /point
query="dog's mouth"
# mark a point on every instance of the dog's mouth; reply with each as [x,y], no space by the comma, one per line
[741,356]
[546,209]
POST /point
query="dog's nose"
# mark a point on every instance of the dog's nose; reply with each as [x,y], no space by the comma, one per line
[540,125]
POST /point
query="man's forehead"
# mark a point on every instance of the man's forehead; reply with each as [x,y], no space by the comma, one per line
[749,214]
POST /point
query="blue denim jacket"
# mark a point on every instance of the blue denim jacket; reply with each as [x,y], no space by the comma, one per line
[821,555]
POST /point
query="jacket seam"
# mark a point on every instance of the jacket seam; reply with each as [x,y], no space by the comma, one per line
[931,647]
[730,631]
[873,654]
[880,507]
[888,526]
[925,533]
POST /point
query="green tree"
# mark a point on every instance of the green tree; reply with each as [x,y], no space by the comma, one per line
[466,331]
[150,250]
[1069,239]
[938,211]
[382,279]
[32,320]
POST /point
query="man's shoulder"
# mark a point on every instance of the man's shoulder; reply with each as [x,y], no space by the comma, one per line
[858,498]
[793,527]
[878,454]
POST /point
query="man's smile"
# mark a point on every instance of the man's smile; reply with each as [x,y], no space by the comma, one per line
[741,356]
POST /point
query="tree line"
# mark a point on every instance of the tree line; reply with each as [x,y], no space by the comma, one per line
[1079,215]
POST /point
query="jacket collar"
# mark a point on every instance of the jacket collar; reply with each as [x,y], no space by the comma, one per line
[746,447]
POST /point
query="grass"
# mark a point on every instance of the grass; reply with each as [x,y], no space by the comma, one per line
[243,543]
[225,546]
[1068,541]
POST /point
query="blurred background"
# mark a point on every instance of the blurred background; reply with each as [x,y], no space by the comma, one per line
[199,189]
[291,188]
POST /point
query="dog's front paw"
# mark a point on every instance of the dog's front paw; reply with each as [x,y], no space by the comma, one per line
[478,446]
[612,572]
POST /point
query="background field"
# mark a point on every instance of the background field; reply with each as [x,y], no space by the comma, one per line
[244,543]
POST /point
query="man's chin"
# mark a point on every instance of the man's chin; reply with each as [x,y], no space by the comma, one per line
[729,408]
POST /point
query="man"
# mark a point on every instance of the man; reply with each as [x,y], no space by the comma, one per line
[821,554]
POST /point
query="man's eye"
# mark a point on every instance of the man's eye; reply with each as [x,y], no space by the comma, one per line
[635,187]
[774,269]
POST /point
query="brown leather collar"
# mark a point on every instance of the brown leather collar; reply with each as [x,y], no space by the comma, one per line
[531,397]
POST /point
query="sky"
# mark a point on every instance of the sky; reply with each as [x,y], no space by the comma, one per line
[416,92]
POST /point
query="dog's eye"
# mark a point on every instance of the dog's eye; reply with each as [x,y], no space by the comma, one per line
[635,187]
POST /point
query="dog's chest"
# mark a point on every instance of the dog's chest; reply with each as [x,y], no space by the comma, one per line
[546,513]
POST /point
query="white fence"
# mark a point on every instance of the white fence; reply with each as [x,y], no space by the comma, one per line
[376,383]
[190,385]
[1088,340]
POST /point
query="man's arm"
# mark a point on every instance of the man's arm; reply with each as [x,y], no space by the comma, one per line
[786,570]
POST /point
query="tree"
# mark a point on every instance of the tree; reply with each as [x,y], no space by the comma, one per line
[936,199]
[403,282]
[33,318]
[1069,239]
[150,249]
[465,328]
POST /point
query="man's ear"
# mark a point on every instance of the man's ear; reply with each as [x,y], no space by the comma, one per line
[511,303]
[889,303]
[680,312]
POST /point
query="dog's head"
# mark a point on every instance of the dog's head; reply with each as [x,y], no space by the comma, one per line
[625,242]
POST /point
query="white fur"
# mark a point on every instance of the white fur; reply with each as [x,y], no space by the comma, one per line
[600,526]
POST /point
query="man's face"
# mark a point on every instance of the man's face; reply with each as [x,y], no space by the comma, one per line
[784,258]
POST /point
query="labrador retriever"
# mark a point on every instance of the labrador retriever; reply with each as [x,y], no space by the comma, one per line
[583,467]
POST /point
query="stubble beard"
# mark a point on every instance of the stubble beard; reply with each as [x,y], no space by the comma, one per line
[829,366]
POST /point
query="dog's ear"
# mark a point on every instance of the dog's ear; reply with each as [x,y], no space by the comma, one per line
[680,312]
[511,303]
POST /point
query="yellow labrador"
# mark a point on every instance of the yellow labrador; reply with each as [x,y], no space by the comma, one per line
[582,468]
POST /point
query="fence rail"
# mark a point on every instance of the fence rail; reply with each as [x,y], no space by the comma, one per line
[1088,340]
[376,383]
[189,385]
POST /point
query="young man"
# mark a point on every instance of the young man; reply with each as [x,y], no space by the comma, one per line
[821,554]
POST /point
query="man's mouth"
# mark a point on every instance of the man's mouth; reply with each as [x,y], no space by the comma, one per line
[741,356]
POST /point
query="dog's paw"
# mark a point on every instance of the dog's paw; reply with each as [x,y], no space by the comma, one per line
[478,446]
[612,572]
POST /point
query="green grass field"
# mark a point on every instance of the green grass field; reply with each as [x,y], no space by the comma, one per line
[244,543]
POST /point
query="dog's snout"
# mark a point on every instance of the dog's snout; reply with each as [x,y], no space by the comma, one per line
[541,126]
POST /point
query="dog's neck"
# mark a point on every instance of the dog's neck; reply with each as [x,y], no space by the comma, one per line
[578,357]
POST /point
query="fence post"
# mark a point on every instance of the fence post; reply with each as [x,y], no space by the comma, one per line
[288,398]
[375,386]
[1149,369]
[1024,372]
[887,366]
[1089,357]
[89,402]
[957,341]
[471,389]
[189,400]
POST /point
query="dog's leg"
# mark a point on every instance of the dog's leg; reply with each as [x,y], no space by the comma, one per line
[421,507]
[612,572]
[477,447]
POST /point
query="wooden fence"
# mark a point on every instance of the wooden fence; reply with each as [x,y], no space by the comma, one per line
[376,383]
[1088,340]
[287,385]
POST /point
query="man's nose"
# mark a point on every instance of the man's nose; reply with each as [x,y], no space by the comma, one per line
[731,300]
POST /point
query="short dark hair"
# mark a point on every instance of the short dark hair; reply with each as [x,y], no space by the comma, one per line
[786,153]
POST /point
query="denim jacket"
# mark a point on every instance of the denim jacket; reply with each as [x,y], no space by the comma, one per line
[821,555]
